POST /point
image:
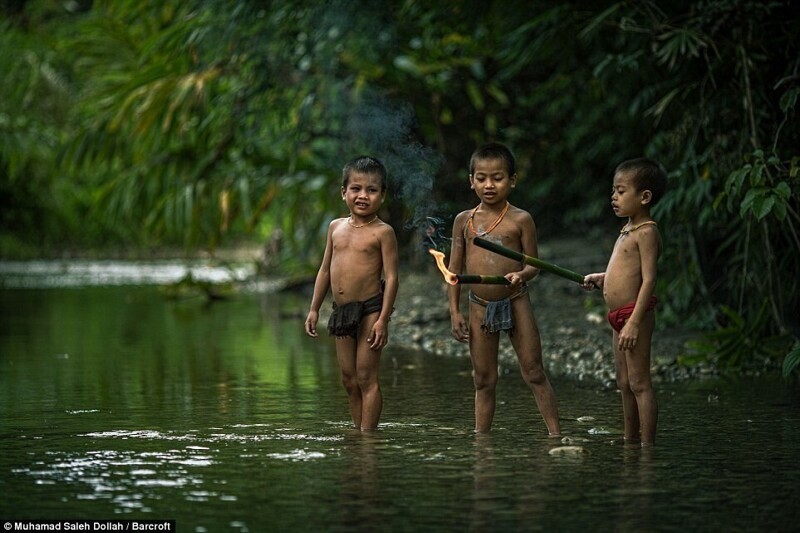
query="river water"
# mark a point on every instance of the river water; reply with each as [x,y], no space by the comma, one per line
[120,403]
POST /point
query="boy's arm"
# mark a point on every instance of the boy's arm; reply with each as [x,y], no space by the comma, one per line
[379,335]
[321,285]
[458,324]
[649,245]
[530,246]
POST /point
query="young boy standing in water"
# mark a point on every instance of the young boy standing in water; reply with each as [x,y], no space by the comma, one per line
[496,308]
[628,286]
[359,249]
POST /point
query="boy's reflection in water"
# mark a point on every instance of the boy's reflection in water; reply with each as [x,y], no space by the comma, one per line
[493,506]
[359,497]
[637,489]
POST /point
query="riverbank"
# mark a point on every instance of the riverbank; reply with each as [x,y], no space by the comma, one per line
[576,339]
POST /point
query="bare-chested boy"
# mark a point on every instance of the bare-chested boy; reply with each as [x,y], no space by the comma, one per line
[359,249]
[628,287]
[496,308]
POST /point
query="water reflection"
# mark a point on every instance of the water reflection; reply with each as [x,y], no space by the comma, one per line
[80,273]
[121,477]
[485,496]
[226,417]
[636,491]
[359,498]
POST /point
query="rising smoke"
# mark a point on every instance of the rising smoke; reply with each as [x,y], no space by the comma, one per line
[386,129]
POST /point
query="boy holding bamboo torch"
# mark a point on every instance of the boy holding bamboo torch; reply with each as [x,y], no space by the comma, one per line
[359,249]
[628,285]
[495,308]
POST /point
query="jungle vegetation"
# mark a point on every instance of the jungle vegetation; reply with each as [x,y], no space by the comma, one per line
[133,124]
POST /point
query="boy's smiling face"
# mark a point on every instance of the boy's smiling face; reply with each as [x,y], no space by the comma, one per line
[491,182]
[363,194]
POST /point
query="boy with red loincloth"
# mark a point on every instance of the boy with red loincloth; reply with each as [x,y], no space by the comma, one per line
[628,285]
[496,308]
[359,249]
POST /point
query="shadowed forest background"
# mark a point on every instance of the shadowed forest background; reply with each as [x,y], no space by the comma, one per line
[128,126]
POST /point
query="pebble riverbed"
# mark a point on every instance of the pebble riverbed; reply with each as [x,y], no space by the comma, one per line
[576,339]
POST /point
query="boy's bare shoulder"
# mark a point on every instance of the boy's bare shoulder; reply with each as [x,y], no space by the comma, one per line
[519,215]
[460,220]
[514,210]
[385,227]
[648,234]
[650,231]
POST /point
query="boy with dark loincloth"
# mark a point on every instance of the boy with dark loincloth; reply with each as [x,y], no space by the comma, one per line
[628,286]
[359,249]
[496,308]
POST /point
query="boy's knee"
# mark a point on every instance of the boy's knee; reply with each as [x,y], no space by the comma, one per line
[639,386]
[350,383]
[484,381]
[534,374]
[366,380]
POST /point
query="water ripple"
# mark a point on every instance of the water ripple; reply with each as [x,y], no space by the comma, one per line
[297,455]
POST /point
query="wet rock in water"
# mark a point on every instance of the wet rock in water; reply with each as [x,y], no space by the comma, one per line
[573,440]
[569,450]
[585,419]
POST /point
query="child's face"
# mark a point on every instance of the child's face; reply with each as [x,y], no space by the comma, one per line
[363,194]
[626,201]
[490,181]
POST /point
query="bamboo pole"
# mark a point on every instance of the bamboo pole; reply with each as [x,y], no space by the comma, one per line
[527,259]
[465,279]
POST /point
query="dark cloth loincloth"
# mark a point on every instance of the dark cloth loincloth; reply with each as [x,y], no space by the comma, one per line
[618,317]
[346,318]
[498,316]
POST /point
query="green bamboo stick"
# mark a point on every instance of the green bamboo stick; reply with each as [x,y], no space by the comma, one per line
[533,261]
[464,279]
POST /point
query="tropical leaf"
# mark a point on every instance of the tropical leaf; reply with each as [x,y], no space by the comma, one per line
[791,363]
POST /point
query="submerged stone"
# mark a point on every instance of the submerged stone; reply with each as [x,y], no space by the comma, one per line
[569,450]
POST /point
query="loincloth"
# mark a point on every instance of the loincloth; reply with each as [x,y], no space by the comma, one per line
[498,316]
[346,318]
[618,317]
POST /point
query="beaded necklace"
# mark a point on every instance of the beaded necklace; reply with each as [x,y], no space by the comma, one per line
[494,224]
[350,221]
[627,229]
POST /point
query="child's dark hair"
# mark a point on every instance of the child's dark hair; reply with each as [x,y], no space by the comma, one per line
[647,175]
[367,165]
[494,150]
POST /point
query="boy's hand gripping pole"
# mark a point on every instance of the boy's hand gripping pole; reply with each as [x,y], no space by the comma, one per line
[527,259]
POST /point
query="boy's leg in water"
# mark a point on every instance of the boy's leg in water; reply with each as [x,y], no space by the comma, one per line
[483,352]
[630,410]
[346,355]
[528,345]
[367,371]
[640,383]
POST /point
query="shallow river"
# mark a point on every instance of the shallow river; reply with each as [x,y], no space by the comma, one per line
[119,403]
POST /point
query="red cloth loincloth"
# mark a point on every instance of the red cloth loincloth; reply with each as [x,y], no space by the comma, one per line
[618,317]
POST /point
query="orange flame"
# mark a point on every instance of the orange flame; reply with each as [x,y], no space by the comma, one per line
[449,277]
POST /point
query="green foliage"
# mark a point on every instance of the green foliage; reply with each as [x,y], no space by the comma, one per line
[791,363]
[148,123]
[741,341]
[34,103]
[758,193]
[720,92]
